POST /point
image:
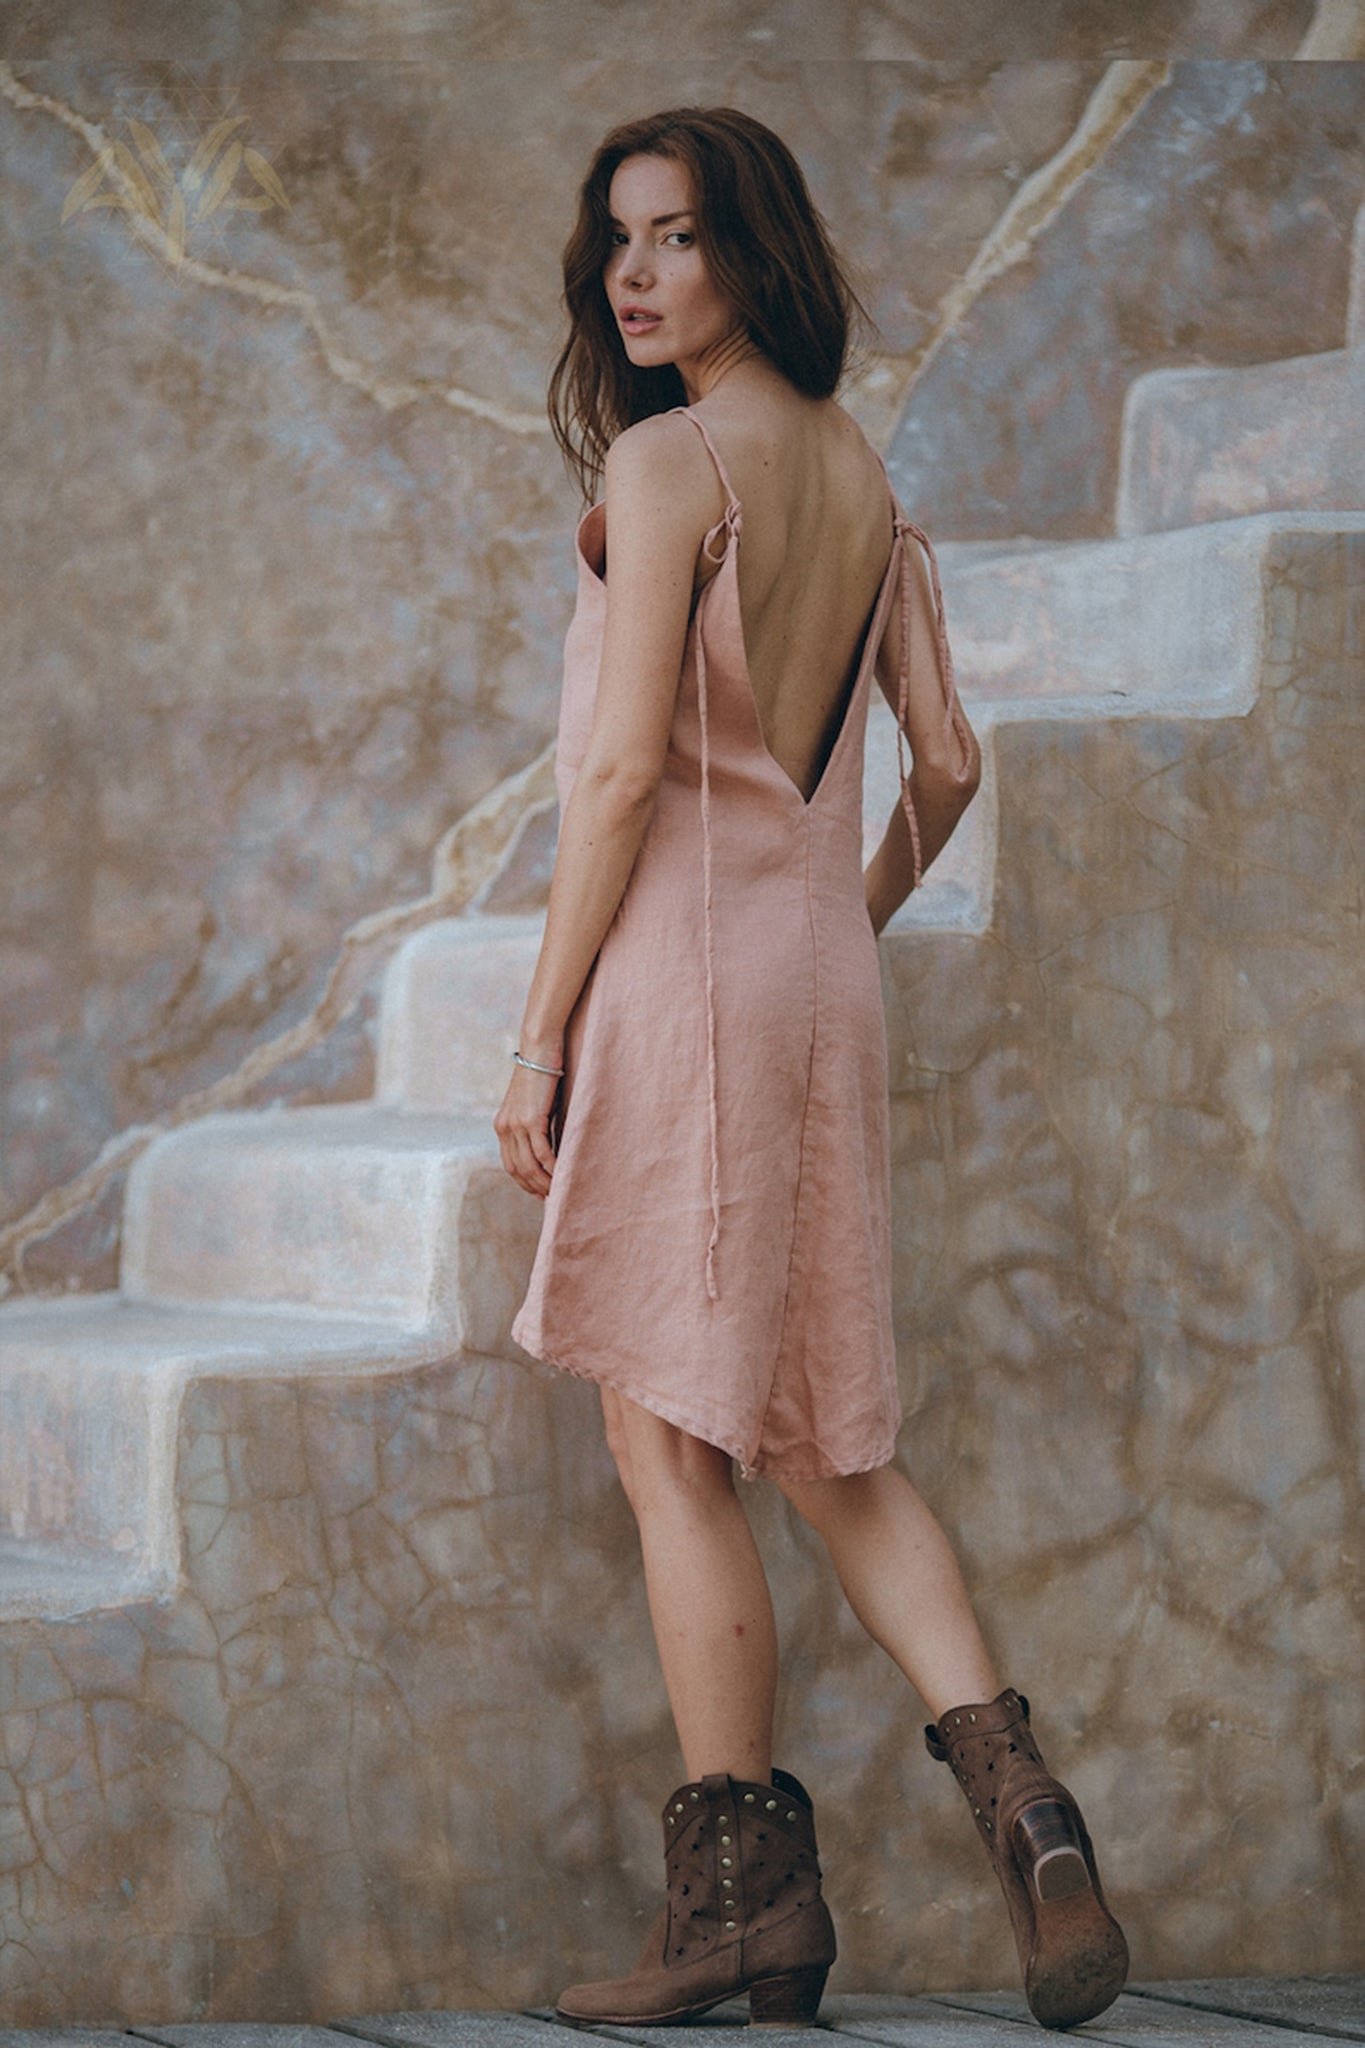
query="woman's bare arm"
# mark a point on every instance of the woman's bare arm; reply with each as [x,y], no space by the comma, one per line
[943,780]
[660,502]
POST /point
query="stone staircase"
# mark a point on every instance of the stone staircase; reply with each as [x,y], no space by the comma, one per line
[369,1244]
[384,1234]
[371,1236]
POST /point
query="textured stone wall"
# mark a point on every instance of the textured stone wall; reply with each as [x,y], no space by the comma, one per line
[286,570]
[400,1739]
[287,560]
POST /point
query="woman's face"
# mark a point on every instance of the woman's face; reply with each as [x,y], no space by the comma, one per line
[666,307]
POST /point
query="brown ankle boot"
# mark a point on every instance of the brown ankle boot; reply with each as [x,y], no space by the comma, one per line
[744,1913]
[1072,1950]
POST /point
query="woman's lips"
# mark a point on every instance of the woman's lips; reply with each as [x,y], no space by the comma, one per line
[640,323]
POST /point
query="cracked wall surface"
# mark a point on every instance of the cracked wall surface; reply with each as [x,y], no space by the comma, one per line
[399,1740]
[287,566]
[288,547]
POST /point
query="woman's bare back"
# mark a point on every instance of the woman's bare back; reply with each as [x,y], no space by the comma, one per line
[815,542]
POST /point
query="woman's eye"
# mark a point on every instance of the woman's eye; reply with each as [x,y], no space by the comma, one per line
[619,236]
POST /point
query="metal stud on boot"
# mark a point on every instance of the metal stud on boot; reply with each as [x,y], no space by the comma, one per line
[1071,1947]
[744,1913]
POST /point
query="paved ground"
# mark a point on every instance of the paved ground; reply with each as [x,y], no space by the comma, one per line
[1229,2012]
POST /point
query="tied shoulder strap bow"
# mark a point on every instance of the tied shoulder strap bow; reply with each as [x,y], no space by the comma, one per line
[954,718]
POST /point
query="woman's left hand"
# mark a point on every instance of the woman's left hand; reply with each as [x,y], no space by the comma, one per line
[523,1128]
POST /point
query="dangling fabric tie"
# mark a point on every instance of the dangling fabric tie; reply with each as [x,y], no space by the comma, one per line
[732,522]
[954,721]
[711,1108]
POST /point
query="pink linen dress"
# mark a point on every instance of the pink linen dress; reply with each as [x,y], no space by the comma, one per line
[716,1241]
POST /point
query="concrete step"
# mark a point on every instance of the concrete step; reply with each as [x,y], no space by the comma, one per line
[1119,628]
[1217,443]
[449,1014]
[41,1581]
[345,1209]
[1214,443]
[90,1387]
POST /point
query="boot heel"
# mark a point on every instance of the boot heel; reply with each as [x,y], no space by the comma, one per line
[1049,1851]
[790,2001]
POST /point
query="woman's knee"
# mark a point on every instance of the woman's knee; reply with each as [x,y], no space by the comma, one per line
[808,1497]
[656,1460]
[826,1503]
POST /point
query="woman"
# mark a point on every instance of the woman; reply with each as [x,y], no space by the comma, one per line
[699,1093]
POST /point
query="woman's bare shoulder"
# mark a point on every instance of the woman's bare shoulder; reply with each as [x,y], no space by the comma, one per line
[662,458]
[665,441]
[853,440]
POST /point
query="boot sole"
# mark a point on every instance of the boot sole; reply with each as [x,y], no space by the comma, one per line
[789,2000]
[1079,1965]
[678,2016]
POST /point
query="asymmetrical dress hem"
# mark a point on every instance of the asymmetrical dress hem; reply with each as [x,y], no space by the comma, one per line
[709,1432]
[716,1240]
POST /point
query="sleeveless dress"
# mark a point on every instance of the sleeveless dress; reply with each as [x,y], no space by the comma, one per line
[716,1241]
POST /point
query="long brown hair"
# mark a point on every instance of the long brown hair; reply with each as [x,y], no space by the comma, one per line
[763,242]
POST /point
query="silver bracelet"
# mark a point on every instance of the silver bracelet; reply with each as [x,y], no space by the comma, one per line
[535,1065]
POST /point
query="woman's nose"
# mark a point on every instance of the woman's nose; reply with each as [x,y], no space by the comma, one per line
[632,264]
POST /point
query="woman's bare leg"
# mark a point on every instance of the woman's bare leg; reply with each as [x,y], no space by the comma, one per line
[902,1580]
[708,1595]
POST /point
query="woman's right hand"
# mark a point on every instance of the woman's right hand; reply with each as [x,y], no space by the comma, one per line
[523,1127]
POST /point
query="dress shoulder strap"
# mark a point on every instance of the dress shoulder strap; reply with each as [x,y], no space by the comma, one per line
[954,719]
[731,522]
[686,410]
